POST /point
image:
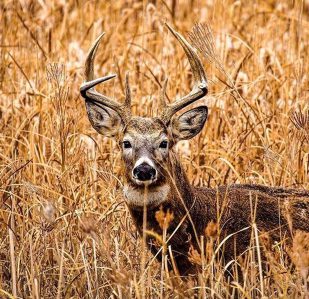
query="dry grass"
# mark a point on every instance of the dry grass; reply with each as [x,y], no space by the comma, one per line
[65,230]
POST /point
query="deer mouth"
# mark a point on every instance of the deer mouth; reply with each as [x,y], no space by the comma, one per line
[144,183]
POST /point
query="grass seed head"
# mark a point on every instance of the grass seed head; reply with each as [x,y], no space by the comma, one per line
[194,256]
[211,229]
[49,212]
[300,252]
[164,219]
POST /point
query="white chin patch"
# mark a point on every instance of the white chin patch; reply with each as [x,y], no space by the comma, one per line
[143,183]
[136,196]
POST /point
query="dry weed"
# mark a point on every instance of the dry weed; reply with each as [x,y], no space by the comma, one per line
[65,230]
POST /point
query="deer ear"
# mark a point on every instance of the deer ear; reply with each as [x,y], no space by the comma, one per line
[104,120]
[189,124]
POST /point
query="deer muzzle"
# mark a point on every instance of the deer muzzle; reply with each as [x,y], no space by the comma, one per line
[144,171]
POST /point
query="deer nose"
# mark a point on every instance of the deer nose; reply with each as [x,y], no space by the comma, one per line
[144,172]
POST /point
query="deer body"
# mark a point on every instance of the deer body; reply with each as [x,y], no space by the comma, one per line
[231,207]
[154,178]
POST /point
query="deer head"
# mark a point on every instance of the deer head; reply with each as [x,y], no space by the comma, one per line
[146,143]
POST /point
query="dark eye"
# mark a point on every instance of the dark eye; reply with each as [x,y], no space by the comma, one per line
[127,144]
[163,144]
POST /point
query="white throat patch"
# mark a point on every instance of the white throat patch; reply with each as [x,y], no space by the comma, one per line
[136,196]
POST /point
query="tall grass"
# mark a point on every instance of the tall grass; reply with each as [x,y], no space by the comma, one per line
[65,229]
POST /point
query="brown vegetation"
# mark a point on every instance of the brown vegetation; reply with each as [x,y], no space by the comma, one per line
[65,230]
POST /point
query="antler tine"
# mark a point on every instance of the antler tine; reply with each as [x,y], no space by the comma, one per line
[90,94]
[199,89]
[89,70]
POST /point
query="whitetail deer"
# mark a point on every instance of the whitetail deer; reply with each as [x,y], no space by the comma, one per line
[147,146]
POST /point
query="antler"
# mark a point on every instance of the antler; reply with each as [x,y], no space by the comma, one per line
[199,89]
[90,94]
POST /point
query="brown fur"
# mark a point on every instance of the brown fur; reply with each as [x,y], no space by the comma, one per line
[235,204]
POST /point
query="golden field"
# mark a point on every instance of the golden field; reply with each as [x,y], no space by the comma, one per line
[65,229]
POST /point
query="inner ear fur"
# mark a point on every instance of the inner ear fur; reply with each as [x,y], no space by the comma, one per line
[189,124]
[104,120]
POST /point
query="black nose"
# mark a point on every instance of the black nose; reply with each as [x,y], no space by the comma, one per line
[144,172]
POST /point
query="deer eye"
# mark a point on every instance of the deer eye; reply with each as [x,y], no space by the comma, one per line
[127,144]
[163,144]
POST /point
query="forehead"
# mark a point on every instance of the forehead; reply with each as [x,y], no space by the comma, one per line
[145,126]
